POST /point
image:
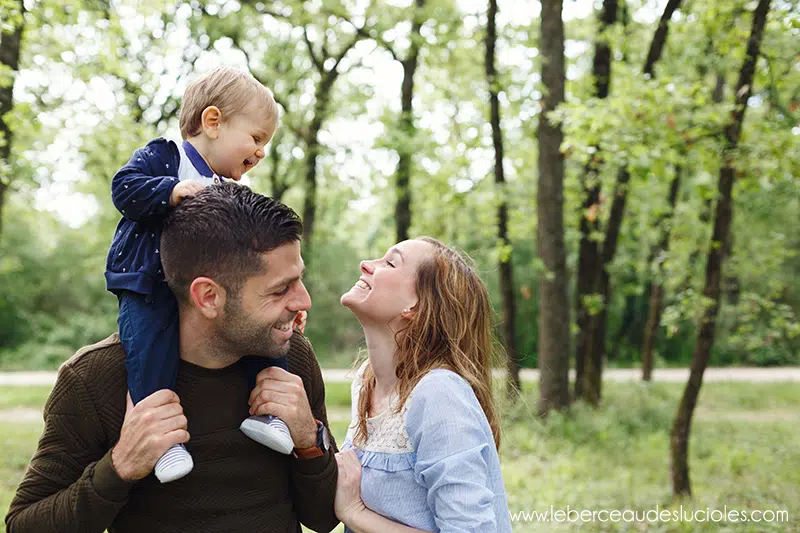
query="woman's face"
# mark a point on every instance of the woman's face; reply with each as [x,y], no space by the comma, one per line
[387,286]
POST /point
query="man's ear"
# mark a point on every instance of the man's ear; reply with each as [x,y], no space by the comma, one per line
[210,120]
[208,297]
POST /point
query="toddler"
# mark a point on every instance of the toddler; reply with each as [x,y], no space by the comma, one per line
[226,119]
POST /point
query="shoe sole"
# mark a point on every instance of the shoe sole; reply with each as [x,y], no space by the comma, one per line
[175,473]
[254,430]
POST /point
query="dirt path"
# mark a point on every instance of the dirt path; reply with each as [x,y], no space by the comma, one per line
[671,375]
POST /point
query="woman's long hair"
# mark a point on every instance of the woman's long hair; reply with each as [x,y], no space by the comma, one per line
[450,329]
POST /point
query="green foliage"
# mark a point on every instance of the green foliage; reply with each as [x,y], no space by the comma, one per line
[100,79]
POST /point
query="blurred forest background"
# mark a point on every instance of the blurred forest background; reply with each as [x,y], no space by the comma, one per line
[626,174]
[387,132]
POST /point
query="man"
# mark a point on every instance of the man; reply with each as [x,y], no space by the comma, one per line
[232,258]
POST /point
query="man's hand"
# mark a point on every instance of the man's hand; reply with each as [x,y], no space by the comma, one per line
[183,189]
[149,429]
[282,394]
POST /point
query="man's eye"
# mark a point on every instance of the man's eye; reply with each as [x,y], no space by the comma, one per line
[283,292]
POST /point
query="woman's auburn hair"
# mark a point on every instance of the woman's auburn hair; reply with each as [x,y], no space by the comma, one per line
[450,329]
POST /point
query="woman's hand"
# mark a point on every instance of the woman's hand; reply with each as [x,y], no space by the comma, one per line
[347,502]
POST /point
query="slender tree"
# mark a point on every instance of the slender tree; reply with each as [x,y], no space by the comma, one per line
[553,300]
[10,46]
[589,252]
[328,68]
[655,305]
[410,62]
[505,266]
[595,344]
[679,442]
[326,58]
[657,285]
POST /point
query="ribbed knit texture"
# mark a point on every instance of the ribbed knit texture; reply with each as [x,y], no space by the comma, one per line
[237,484]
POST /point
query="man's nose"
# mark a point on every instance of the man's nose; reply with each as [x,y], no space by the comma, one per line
[301,300]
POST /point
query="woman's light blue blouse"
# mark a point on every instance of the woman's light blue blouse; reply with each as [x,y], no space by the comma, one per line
[434,465]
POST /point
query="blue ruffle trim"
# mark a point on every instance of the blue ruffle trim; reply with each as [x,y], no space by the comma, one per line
[388,462]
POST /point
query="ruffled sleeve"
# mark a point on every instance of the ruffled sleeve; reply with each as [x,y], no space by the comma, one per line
[448,430]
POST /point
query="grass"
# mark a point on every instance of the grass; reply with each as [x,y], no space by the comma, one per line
[743,453]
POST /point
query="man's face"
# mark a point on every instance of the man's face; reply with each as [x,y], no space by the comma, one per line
[259,321]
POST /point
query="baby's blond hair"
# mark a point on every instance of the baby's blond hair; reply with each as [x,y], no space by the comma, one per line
[229,89]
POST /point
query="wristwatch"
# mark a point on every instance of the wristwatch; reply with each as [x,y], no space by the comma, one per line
[322,446]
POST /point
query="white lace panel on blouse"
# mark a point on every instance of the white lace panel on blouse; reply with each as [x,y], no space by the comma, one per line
[386,432]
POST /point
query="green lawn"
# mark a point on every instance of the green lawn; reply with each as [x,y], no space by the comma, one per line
[744,453]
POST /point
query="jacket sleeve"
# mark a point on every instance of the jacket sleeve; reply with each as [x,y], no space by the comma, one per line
[314,480]
[140,190]
[444,425]
[70,484]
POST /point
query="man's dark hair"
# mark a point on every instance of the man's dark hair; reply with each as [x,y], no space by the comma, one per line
[221,233]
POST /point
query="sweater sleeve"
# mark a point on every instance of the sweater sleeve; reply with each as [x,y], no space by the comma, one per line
[314,480]
[140,190]
[70,484]
[444,424]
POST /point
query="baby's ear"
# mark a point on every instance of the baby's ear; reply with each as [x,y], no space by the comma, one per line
[211,117]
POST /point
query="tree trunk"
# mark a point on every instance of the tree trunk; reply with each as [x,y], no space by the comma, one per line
[589,252]
[660,37]
[10,45]
[657,286]
[679,441]
[505,266]
[323,95]
[277,182]
[403,178]
[553,300]
[597,328]
[654,313]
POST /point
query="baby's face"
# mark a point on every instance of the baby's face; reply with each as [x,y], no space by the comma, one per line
[240,144]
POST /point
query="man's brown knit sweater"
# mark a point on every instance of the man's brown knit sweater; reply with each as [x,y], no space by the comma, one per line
[237,485]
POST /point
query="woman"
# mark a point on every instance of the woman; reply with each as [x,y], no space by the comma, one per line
[421,450]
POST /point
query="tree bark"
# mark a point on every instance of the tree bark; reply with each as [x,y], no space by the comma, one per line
[403,177]
[323,96]
[277,181]
[589,251]
[657,286]
[597,327]
[679,441]
[10,46]
[553,299]
[660,37]
[506,265]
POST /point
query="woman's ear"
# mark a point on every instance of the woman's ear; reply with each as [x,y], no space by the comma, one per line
[208,297]
[210,120]
[409,313]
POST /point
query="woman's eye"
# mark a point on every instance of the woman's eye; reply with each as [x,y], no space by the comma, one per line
[390,264]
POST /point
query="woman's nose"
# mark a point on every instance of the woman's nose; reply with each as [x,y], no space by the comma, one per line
[366,267]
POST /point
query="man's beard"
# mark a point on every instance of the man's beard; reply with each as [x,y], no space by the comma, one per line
[240,336]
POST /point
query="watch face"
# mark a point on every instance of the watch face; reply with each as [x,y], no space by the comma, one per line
[326,439]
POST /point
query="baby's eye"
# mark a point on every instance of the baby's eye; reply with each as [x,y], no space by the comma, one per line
[256,139]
